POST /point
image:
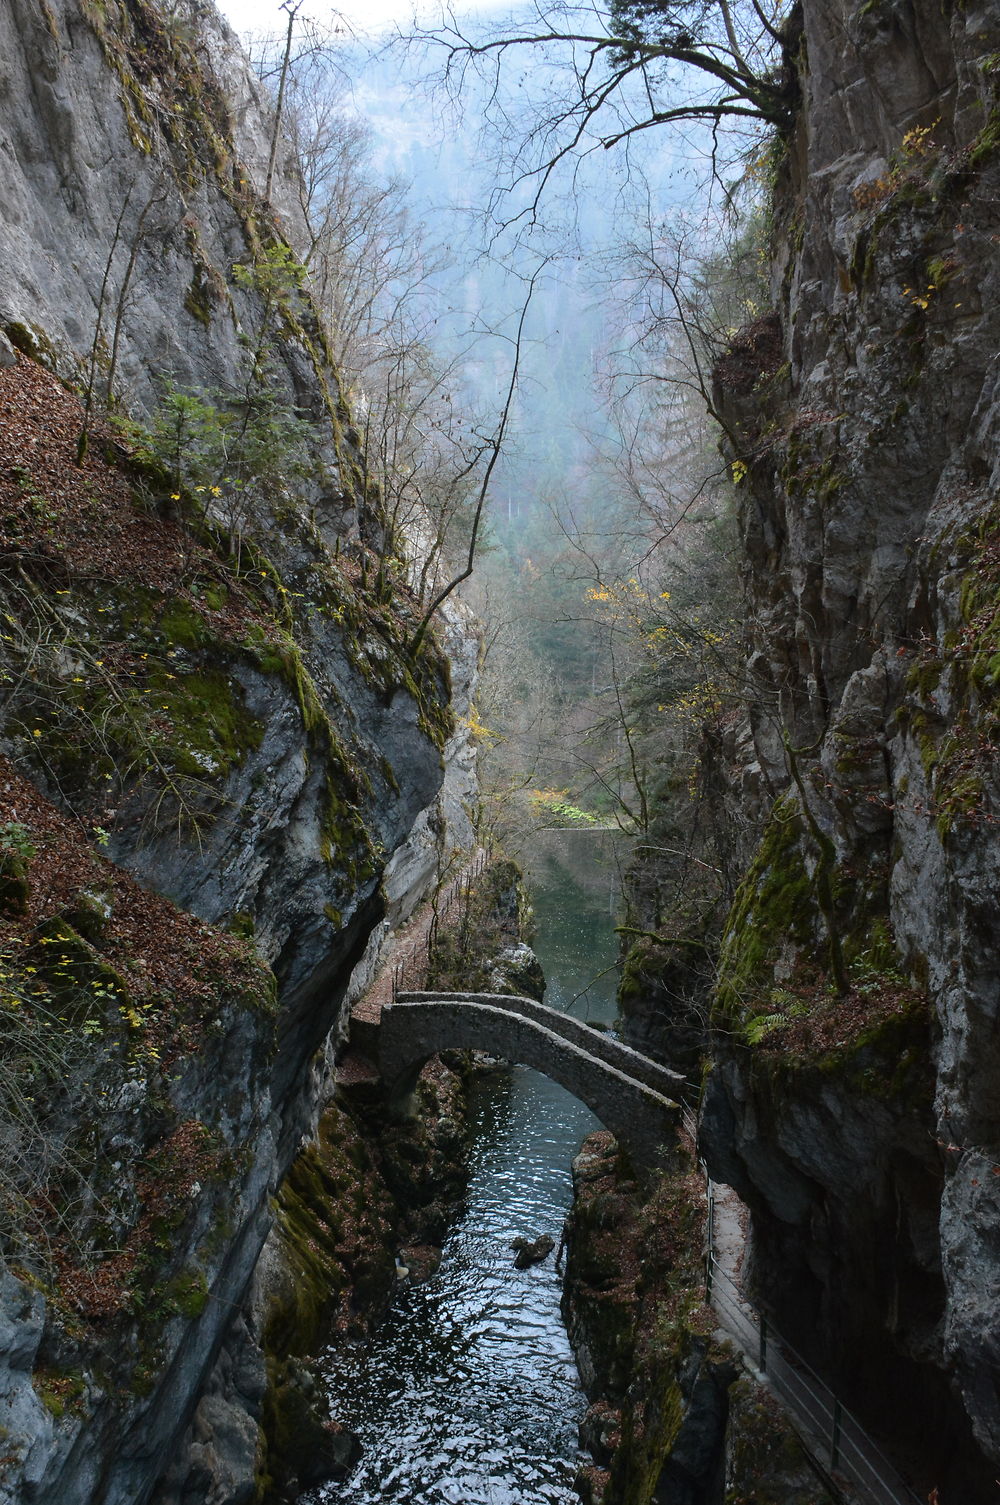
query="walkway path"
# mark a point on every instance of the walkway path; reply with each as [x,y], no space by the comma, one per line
[851,1464]
[408,953]
[636,1098]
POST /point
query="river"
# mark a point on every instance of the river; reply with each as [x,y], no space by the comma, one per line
[466,1393]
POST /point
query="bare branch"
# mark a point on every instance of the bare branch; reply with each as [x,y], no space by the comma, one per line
[495,450]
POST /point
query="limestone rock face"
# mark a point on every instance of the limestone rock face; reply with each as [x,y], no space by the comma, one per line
[864,1132]
[89,93]
[673,1415]
[325,776]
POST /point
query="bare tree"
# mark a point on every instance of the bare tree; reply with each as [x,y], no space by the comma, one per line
[156,198]
[292,7]
[493,449]
[304,46]
[372,271]
[594,75]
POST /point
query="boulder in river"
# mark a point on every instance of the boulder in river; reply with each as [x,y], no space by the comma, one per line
[531,1251]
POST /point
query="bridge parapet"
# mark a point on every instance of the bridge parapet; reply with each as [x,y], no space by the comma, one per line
[595,1041]
[642,1119]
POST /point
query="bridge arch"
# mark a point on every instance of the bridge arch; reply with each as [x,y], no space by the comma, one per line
[414,1028]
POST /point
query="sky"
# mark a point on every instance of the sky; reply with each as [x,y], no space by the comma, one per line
[367,17]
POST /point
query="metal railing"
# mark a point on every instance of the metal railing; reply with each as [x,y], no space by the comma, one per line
[832,1436]
[834,1439]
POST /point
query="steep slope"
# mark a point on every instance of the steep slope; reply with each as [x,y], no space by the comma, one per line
[217,743]
[854,1099]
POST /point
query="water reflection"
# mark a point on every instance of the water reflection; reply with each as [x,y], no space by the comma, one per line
[467,1393]
[573,879]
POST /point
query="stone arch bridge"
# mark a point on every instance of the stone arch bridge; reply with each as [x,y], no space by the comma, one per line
[634,1097]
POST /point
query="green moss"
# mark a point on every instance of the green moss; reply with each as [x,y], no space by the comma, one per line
[959,797]
[633,974]
[322,1249]
[806,472]
[207,290]
[149,52]
[34,343]
[284,658]
[215,595]
[375,642]
[82,984]
[181,722]
[168,713]
[344,838]
[208,728]
[925,675]
[987,141]
[196,303]
[59,1390]
[14,889]
[181,625]
[647,1440]
[186,1294]
[773,906]
[928,740]
[89,913]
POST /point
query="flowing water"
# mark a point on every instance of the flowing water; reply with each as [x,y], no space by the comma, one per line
[467,1394]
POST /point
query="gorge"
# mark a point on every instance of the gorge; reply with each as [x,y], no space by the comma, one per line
[236,760]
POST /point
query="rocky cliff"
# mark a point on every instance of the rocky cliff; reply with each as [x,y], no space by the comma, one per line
[674,1415]
[225,776]
[853,1102]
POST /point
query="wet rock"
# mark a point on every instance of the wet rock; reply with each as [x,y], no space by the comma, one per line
[307,1447]
[532,1251]
[421,1261]
[601,1431]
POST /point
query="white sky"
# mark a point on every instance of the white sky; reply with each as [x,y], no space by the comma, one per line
[367,17]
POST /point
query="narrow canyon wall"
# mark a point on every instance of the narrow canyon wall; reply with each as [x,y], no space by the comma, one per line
[224,774]
[853,1102]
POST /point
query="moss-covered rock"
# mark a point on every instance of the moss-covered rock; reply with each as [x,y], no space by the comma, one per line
[335,1226]
[766,1463]
[13,884]
[306,1448]
[642,1337]
[772,916]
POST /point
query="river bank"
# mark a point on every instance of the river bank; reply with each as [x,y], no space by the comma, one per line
[464,1387]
